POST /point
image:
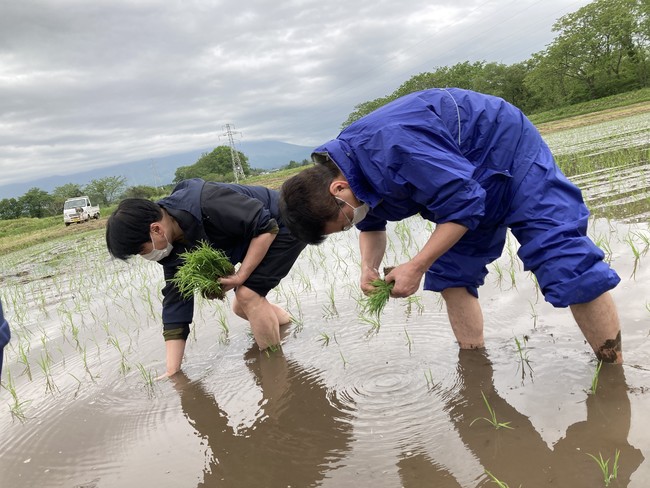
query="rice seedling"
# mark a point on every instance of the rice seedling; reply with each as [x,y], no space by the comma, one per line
[428,376]
[124,367]
[496,481]
[22,358]
[345,363]
[594,379]
[524,361]
[409,342]
[636,252]
[330,308]
[272,349]
[223,323]
[603,464]
[16,408]
[410,302]
[147,376]
[45,364]
[201,269]
[533,314]
[84,359]
[375,302]
[324,339]
[513,282]
[374,323]
[493,417]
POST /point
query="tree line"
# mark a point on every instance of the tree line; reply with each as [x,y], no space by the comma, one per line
[602,49]
[37,203]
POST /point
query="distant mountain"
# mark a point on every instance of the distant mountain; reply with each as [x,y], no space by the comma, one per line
[159,171]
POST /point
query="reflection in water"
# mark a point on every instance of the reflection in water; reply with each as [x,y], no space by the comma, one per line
[520,456]
[297,440]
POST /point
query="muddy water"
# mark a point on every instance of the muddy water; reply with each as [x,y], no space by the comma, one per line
[341,404]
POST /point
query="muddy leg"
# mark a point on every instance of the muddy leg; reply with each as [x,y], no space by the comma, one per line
[465,316]
[598,321]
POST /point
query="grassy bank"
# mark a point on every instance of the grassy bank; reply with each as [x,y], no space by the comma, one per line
[608,107]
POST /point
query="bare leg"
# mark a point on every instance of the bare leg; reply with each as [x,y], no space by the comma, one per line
[261,315]
[598,321]
[282,315]
[465,316]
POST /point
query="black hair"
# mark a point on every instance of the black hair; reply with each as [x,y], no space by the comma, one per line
[306,203]
[127,229]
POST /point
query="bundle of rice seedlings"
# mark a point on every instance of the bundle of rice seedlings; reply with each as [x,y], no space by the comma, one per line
[377,300]
[201,269]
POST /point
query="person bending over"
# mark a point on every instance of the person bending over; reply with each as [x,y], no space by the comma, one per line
[476,166]
[242,221]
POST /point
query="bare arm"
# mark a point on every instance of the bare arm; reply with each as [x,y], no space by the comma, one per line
[372,246]
[407,277]
[257,249]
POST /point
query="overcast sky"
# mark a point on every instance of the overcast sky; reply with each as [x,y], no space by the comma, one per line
[93,83]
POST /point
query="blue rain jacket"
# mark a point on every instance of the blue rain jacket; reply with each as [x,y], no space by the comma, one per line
[445,154]
[455,155]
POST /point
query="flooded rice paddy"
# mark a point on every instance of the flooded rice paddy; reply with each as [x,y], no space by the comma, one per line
[348,401]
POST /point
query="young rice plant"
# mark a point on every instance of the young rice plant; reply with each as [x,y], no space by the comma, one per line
[374,303]
[201,269]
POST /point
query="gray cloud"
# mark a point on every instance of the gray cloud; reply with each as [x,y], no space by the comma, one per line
[92,84]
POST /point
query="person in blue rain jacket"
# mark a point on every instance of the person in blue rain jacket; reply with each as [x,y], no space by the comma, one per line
[5,335]
[476,166]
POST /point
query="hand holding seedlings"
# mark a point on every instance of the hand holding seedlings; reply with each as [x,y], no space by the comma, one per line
[202,267]
[378,296]
[406,279]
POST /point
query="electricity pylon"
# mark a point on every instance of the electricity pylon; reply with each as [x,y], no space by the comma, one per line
[237,169]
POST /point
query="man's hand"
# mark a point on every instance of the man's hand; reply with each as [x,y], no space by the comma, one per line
[368,274]
[407,278]
[230,282]
[167,374]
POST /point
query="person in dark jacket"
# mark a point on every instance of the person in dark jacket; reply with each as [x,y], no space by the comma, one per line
[476,166]
[243,221]
[5,335]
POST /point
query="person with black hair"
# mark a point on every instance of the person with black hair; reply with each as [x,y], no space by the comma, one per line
[242,221]
[477,167]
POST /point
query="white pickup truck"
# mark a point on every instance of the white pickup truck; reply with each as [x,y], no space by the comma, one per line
[79,209]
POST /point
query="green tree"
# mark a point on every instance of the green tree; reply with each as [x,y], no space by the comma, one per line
[601,49]
[36,203]
[141,191]
[213,166]
[10,209]
[492,78]
[61,193]
[105,191]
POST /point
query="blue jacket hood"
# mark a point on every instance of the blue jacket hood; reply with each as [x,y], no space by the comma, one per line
[446,154]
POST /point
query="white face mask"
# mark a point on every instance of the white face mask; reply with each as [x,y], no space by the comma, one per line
[359,213]
[158,254]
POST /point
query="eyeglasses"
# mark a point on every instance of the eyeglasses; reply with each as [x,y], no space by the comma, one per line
[350,224]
